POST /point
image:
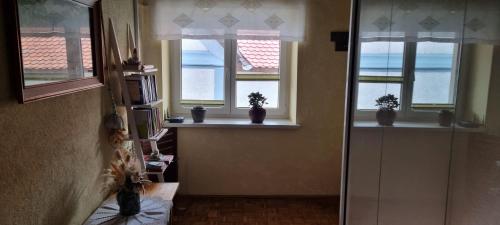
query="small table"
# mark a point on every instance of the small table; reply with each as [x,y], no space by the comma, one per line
[156,202]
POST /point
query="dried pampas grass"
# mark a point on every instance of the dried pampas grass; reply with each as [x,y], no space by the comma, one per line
[124,165]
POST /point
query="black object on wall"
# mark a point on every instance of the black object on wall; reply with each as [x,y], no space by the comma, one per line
[341,39]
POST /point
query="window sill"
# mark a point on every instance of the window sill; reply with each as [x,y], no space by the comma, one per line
[235,123]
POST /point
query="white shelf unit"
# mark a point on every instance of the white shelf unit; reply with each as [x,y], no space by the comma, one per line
[149,105]
[134,135]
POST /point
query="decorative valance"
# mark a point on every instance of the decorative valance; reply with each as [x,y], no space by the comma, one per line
[430,20]
[228,19]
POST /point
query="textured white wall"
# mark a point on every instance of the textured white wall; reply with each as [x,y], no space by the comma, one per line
[53,152]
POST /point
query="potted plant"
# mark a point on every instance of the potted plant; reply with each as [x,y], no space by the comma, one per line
[125,178]
[257,113]
[198,114]
[445,118]
[386,113]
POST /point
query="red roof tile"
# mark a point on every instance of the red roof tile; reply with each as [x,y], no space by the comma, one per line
[44,53]
[49,53]
[261,53]
[87,53]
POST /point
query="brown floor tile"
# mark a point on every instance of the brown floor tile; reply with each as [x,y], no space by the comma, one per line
[255,211]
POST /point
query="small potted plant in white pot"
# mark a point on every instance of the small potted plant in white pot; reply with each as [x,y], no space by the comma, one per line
[386,113]
[198,114]
[257,112]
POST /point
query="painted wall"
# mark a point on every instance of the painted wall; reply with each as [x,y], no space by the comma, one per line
[478,62]
[53,151]
[303,161]
[474,188]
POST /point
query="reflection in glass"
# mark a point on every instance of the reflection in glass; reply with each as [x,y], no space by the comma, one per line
[55,41]
[381,59]
[439,164]
[380,72]
[434,73]
[476,90]
[202,71]
[369,92]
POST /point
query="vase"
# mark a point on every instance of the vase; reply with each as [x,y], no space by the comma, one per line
[198,115]
[129,202]
[257,114]
[386,117]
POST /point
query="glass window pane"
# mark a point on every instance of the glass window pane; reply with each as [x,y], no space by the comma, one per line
[369,92]
[434,82]
[258,57]
[55,41]
[381,59]
[202,70]
[270,90]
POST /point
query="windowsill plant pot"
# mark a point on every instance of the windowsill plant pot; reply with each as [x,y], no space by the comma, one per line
[386,117]
[445,118]
[198,114]
[257,112]
[386,114]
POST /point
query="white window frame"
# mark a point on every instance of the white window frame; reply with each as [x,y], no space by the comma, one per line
[229,109]
[408,111]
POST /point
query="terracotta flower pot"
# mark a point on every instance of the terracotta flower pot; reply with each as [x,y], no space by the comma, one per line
[386,117]
[129,202]
[257,114]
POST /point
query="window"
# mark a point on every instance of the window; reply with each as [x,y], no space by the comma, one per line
[434,82]
[421,75]
[380,73]
[220,74]
[202,74]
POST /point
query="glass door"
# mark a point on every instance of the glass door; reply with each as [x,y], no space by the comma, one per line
[423,141]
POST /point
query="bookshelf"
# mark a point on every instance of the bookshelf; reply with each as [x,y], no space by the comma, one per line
[141,72]
[143,106]
[149,105]
[156,137]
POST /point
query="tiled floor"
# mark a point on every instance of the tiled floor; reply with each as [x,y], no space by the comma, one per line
[255,211]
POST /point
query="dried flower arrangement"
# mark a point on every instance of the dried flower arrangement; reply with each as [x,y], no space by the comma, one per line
[117,137]
[125,172]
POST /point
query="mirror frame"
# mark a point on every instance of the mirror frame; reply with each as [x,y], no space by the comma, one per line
[26,94]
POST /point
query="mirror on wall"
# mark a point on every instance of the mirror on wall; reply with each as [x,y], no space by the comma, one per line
[58,44]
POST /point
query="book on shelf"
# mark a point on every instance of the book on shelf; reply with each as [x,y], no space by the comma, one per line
[139,68]
[155,166]
[142,89]
[143,123]
[163,158]
[148,122]
[148,67]
[146,147]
